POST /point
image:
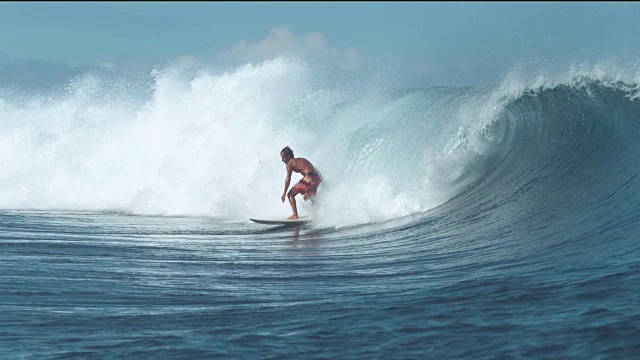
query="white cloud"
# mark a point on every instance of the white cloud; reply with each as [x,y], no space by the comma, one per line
[106,64]
[281,41]
[185,61]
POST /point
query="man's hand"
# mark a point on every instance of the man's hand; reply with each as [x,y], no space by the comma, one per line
[283,196]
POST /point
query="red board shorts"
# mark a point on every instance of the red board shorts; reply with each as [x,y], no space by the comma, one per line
[308,184]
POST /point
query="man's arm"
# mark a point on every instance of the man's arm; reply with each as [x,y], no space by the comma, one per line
[287,181]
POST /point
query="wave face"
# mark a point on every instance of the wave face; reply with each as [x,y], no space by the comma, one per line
[566,153]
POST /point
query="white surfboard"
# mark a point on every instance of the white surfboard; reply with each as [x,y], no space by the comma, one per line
[300,220]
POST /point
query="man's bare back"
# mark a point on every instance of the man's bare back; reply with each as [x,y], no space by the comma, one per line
[301,166]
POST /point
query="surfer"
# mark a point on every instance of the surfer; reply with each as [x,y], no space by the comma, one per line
[307,186]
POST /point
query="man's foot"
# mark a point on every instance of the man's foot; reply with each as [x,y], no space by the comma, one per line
[292,217]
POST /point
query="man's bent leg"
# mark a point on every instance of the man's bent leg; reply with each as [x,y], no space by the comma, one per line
[312,191]
[292,200]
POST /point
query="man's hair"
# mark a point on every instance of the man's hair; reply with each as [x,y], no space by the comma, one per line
[287,151]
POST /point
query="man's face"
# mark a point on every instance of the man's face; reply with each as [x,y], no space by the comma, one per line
[284,158]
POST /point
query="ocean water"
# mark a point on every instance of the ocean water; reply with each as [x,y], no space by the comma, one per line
[480,222]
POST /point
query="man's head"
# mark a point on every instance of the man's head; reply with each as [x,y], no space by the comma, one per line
[286,154]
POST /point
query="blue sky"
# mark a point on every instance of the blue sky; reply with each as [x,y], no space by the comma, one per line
[448,42]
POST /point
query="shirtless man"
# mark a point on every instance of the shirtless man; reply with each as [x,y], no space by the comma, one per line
[307,186]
